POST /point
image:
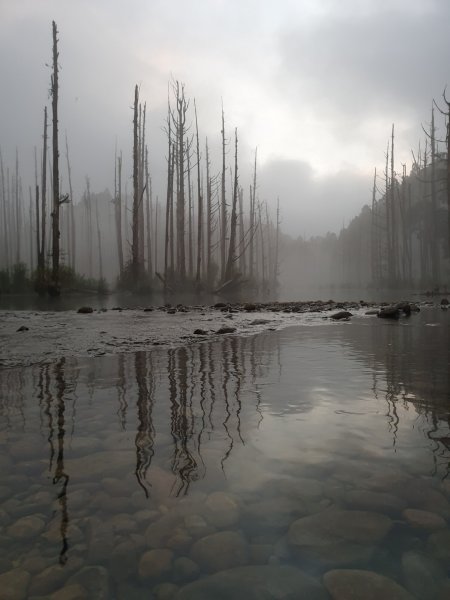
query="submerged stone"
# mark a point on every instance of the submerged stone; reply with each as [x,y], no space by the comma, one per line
[14,584]
[221,510]
[155,564]
[352,584]
[220,551]
[26,528]
[268,582]
[421,575]
[423,519]
[338,537]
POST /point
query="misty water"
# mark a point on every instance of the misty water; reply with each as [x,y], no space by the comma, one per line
[248,467]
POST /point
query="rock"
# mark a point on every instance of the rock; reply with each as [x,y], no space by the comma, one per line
[155,564]
[424,520]
[23,328]
[26,528]
[165,591]
[123,560]
[70,592]
[342,314]
[94,580]
[53,577]
[196,526]
[421,575]
[374,501]
[84,310]
[390,312]
[438,546]
[352,584]
[200,332]
[226,330]
[14,584]
[97,465]
[250,307]
[100,540]
[272,515]
[185,569]
[404,307]
[220,551]
[268,582]
[444,302]
[221,510]
[338,537]
[420,494]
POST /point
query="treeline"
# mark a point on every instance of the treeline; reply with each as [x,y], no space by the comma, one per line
[399,241]
[207,234]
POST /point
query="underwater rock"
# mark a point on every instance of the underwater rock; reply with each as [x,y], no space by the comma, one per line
[220,551]
[14,584]
[94,580]
[374,501]
[221,510]
[23,328]
[26,528]
[338,537]
[421,575]
[255,583]
[85,310]
[155,564]
[346,584]
[423,519]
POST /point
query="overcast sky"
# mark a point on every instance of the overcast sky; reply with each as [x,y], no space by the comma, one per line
[314,84]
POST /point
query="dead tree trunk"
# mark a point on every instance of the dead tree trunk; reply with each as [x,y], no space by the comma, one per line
[5,215]
[169,196]
[180,124]
[99,242]
[223,207]
[233,222]
[135,266]
[434,229]
[54,288]
[208,219]
[149,208]
[44,200]
[252,220]
[89,226]
[199,207]
[18,209]
[118,211]
[72,228]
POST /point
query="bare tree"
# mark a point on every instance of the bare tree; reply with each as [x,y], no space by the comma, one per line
[54,288]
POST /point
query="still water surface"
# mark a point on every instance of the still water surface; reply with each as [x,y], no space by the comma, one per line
[241,468]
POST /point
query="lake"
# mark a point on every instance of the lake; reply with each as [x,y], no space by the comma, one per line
[310,462]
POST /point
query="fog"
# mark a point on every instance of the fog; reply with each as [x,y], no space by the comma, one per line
[313,85]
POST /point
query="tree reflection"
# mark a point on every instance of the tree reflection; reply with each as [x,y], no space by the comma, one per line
[145,431]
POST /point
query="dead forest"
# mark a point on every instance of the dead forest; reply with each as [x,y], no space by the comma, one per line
[207,234]
[210,233]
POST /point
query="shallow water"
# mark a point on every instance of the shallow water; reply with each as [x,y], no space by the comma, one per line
[241,467]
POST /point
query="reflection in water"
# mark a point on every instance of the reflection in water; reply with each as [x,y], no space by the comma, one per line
[52,419]
[145,432]
[60,474]
[229,414]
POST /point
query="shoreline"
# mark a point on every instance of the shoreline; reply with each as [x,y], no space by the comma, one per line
[48,336]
